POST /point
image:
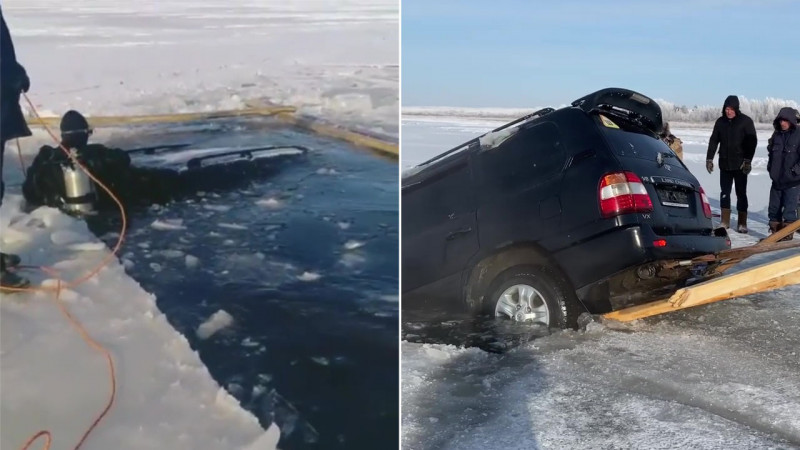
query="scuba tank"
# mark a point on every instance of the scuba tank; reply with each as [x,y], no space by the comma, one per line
[79,191]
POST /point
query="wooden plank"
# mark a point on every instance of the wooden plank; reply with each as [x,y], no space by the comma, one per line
[744,252]
[775,237]
[766,277]
[104,121]
[771,239]
[377,145]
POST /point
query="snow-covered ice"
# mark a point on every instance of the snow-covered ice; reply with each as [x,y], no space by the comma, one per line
[169,224]
[218,321]
[192,261]
[335,59]
[269,203]
[309,276]
[53,380]
[232,226]
[353,245]
[720,376]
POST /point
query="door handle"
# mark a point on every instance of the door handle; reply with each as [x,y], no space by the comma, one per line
[457,233]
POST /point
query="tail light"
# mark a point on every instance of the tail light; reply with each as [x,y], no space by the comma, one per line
[623,193]
[706,205]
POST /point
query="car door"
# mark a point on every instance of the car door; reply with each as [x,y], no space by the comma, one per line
[439,229]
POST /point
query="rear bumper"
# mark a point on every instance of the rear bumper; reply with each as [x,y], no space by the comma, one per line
[599,258]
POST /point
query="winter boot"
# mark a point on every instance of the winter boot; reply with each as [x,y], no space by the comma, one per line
[774,226]
[9,260]
[789,237]
[726,218]
[10,281]
[742,225]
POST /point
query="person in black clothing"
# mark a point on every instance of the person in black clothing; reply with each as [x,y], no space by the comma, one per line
[784,170]
[735,134]
[133,186]
[13,81]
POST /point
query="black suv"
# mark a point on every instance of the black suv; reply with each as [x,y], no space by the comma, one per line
[562,211]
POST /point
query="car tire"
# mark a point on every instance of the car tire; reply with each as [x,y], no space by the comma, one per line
[551,295]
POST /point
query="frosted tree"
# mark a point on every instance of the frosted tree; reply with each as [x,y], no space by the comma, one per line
[761,111]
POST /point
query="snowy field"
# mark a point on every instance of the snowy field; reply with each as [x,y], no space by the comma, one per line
[720,376]
[336,60]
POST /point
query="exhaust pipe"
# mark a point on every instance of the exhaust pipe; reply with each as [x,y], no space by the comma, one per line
[646,272]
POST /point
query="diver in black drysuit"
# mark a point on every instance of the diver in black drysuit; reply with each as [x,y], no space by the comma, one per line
[133,186]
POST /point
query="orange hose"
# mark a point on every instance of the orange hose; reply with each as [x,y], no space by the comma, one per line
[60,286]
[21,162]
[46,434]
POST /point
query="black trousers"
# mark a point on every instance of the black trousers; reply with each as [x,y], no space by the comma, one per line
[727,178]
[783,204]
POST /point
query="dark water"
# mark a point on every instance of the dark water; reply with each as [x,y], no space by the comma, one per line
[447,325]
[317,356]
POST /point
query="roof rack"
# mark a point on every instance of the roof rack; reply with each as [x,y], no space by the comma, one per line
[242,154]
[154,148]
[533,115]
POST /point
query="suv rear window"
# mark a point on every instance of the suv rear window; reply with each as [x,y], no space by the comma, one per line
[628,144]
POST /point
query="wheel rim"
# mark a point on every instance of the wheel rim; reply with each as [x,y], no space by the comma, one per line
[523,303]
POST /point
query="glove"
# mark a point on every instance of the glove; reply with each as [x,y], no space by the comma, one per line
[709,165]
[746,167]
[20,81]
[796,169]
[25,82]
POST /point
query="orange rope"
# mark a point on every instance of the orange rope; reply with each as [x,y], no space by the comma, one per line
[33,438]
[123,229]
[60,286]
[21,162]
[92,343]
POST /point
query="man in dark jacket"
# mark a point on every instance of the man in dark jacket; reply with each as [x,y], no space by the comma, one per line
[735,134]
[784,170]
[13,81]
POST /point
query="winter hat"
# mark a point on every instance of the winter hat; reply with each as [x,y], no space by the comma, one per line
[731,101]
[73,122]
